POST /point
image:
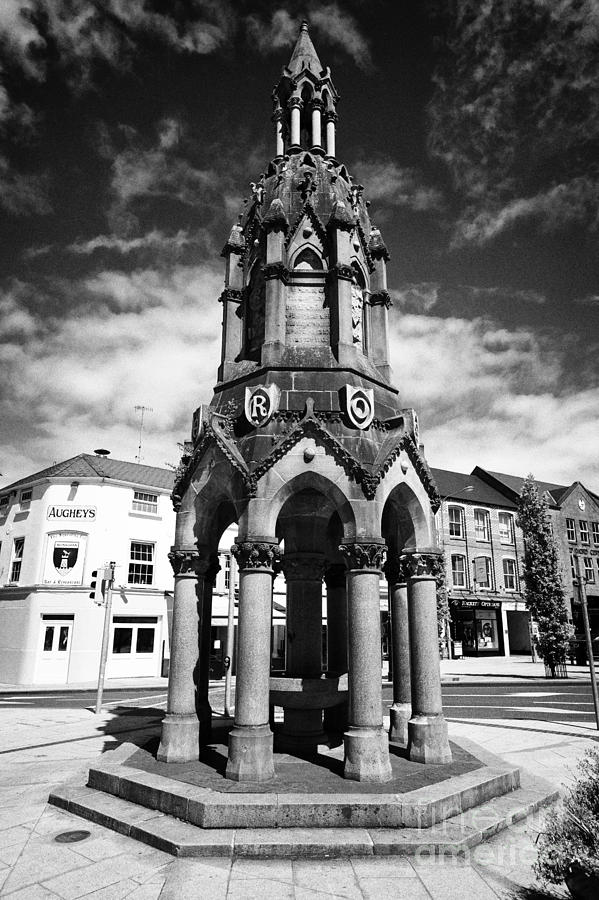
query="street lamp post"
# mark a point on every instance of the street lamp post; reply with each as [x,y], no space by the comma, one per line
[587,634]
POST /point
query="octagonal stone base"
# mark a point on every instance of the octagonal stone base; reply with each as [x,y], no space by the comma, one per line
[250,754]
[367,755]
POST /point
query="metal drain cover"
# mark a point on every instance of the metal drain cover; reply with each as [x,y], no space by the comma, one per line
[71,837]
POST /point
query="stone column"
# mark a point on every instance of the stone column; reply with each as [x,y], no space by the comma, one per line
[251,740]
[335,718]
[366,744]
[295,104]
[302,728]
[401,709]
[188,708]
[330,118]
[316,124]
[280,143]
[427,729]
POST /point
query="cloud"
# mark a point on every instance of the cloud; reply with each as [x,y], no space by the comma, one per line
[150,337]
[496,397]
[155,240]
[341,29]
[22,194]
[395,185]
[515,113]
[573,202]
[416,298]
[421,297]
[281,32]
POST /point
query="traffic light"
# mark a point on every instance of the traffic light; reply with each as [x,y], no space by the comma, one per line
[97,586]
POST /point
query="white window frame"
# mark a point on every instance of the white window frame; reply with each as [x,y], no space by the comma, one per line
[460,511]
[484,513]
[489,565]
[595,533]
[25,499]
[141,562]
[571,530]
[464,571]
[573,566]
[511,575]
[584,531]
[509,521]
[17,559]
[589,569]
[145,502]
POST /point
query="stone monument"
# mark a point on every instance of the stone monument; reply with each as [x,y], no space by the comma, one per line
[306,447]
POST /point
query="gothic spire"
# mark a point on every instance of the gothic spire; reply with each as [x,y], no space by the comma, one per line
[304,55]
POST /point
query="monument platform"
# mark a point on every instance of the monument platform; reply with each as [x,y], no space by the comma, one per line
[308,809]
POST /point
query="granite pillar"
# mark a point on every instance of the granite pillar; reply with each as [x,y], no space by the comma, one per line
[400,710]
[251,740]
[335,718]
[302,728]
[427,729]
[188,707]
[366,744]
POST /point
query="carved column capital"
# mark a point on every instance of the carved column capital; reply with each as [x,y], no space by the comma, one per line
[423,564]
[395,569]
[334,576]
[303,566]
[364,555]
[381,298]
[189,563]
[330,116]
[256,555]
[295,101]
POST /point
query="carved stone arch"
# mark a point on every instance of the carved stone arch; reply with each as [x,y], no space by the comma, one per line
[215,509]
[308,257]
[320,483]
[406,520]
[254,311]
[306,235]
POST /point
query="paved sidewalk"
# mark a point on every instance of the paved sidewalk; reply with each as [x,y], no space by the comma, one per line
[41,748]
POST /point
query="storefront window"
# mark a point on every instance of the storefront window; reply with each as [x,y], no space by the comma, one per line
[486,629]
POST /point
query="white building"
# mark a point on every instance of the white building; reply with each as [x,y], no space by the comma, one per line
[56,527]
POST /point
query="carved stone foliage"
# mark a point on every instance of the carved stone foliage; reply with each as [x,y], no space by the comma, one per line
[396,569]
[426,564]
[193,564]
[303,566]
[381,298]
[256,555]
[364,555]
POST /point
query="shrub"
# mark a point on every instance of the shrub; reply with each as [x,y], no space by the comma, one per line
[571,839]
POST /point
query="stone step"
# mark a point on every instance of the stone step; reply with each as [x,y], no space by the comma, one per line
[454,836]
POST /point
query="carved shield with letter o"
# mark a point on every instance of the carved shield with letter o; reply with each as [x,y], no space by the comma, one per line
[358,405]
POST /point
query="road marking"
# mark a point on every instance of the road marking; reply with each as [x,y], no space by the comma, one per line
[158,697]
[532,709]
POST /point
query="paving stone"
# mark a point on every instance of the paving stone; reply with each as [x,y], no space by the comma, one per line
[383,867]
[273,869]
[394,889]
[33,892]
[202,879]
[332,877]
[468,884]
[253,889]
[37,863]
[182,839]
[98,875]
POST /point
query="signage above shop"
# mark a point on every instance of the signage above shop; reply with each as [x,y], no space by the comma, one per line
[88,513]
[474,604]
[65,557]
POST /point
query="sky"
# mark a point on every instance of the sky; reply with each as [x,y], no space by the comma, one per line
[131,129]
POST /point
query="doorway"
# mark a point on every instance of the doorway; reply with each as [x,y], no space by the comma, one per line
[54,649]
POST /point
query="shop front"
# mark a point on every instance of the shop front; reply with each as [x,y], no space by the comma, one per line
[476,626]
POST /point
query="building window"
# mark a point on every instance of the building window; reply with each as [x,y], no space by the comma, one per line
[456,521]
[584,531]
[481,525]
[506,528]
[483,572]
[25,499]
[17,559]
[3,505]
[595,529]
[227,571]
[589,572]
[571,529]
[573,566]
[141,565]
[144,502]
[458,571]
[509,574]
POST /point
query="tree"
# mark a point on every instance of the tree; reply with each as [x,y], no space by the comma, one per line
[544,593]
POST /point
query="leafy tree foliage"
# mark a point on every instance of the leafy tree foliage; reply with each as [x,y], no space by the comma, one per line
[544,593]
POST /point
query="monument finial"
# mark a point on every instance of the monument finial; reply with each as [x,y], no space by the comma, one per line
[304,55]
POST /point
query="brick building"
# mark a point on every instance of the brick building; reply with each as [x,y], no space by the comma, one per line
[476,525]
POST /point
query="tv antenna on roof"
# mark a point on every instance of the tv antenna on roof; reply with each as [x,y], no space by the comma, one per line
[142,410]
